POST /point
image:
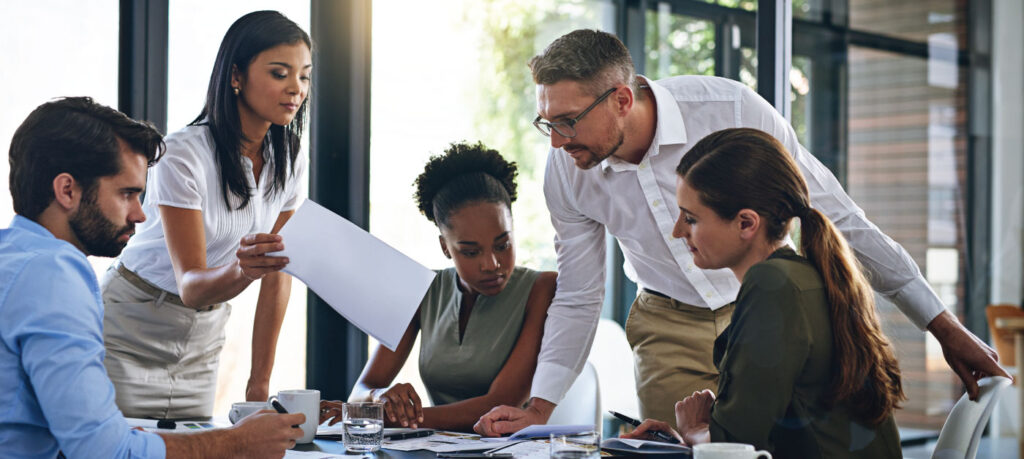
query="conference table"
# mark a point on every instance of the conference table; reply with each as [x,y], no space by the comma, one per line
[336,447]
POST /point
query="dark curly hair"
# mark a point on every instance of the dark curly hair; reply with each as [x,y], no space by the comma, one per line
[465,173]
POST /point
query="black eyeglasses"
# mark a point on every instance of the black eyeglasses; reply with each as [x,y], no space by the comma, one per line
[567,128]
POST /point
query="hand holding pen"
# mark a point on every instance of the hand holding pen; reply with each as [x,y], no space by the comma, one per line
[661,431]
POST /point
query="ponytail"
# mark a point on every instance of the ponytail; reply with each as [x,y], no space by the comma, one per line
[866,377]
[742,168]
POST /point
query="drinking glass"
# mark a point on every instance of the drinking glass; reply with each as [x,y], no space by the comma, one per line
[362,426]
[576,446]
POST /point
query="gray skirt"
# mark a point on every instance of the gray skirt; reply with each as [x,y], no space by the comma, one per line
[161,355]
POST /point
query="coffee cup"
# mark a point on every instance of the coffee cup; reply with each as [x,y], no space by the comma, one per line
[305,401]
[727,451]
[241,410]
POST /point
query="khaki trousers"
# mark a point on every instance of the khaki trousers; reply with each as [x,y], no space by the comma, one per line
[161,356]
[672,343]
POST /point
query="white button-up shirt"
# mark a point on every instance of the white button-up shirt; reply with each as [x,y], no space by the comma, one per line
[636,203]
[188,177]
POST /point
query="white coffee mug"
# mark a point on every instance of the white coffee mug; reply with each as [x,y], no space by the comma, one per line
[241,410]
[305,401]
[727,451]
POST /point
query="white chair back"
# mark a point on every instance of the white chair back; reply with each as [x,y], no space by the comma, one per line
[613,359]
[962,431]
[582,403]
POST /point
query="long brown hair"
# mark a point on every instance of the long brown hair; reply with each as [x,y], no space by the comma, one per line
[743,168]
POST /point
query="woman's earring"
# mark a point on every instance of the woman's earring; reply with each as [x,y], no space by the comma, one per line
[236,91]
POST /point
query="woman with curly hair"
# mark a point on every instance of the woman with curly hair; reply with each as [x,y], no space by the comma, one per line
[481,321]
[804,369]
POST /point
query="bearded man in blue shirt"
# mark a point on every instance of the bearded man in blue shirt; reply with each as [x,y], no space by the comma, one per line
[77,171]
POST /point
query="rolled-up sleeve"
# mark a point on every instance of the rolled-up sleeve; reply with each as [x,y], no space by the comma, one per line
[57,329]
[891,270]
[576,308]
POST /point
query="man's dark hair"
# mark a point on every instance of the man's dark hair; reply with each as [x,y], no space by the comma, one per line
[77,136]
[466,173]
[249,36]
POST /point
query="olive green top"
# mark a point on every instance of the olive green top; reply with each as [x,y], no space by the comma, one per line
[775,362]
[452,370]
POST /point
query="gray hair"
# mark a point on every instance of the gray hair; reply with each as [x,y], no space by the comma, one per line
[598,60]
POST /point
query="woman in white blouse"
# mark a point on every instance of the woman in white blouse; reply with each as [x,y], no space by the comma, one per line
[227,183]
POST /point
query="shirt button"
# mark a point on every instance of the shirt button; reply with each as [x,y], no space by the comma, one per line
[656,203]
[690,267]
[709,294]
[642,166]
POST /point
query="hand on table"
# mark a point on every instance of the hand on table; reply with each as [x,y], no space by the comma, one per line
[253,260]
[402,405]
[646,430]
[505,419]
[693,415]
[330,410]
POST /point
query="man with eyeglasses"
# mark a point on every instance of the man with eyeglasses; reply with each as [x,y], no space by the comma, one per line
[624,135]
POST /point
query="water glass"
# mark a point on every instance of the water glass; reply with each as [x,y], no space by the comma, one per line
[362,426]
[576,446]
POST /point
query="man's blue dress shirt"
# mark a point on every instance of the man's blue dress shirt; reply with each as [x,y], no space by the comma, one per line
[54,390]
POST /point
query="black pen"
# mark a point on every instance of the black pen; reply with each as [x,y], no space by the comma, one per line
[411,434]
[661,435]
[280,409]
[277,406]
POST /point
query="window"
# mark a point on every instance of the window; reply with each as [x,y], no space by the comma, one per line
[881,101]
[457,71]
[41,67]
[196,28]
[907,161]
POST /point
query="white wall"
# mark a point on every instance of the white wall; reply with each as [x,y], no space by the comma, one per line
[1007,151]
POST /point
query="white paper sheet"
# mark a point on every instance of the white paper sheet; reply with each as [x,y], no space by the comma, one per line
[371,284]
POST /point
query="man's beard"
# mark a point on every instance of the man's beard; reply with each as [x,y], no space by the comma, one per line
[598,157]
[98,235]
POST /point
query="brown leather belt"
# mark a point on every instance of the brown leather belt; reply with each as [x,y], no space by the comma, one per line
[156,292]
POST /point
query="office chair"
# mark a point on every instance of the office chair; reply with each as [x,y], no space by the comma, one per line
[961,433]
[582,403]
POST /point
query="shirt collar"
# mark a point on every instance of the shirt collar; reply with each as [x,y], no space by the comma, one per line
[23,223]
[670,129]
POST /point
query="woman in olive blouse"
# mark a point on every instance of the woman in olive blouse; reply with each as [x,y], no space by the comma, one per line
[480,323]
[804,369]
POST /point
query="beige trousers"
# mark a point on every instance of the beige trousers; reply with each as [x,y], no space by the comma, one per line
[161,356]
[672,346]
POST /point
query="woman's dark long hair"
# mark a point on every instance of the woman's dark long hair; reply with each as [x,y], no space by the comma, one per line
[742,168]
[245,39]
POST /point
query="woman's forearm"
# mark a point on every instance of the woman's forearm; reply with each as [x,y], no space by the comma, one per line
[361,392]
[202,287]
[275,290]
[460,416]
